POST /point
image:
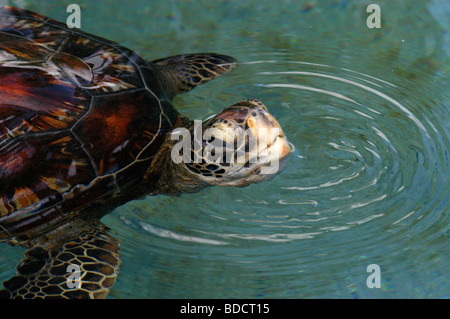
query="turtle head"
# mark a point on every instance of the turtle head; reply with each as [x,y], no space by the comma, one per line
[241,145]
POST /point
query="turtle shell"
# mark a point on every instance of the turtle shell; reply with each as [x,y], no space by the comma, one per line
[81,119]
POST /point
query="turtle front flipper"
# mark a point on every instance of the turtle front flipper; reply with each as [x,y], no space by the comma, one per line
[83,265]
[184,72]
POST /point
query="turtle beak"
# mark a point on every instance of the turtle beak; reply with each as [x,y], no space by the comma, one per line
[268,133]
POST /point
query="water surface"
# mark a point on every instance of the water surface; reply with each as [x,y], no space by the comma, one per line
[368,182]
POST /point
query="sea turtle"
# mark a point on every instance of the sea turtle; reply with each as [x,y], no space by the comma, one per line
[85,126]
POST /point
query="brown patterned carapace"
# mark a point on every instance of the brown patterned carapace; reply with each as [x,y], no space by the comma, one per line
[73,107]
[82,122]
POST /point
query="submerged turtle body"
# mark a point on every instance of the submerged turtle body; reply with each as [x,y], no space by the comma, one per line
[84,126]
[82,117]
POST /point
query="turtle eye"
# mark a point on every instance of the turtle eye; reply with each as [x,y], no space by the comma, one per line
[254,113]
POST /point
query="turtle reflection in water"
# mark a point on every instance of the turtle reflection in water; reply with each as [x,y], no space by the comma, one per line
[85,126]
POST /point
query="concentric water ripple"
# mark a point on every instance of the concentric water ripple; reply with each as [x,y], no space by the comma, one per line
[367,183]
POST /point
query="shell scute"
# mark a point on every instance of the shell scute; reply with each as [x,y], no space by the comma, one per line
[36,168]
[118,128]
[111,70]
[31,25]
[34,100]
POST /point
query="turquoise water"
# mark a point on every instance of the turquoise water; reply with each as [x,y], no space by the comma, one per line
[368,182]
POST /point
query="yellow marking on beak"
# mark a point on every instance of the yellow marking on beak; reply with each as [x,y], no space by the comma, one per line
[251,122]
